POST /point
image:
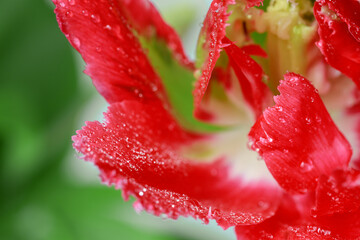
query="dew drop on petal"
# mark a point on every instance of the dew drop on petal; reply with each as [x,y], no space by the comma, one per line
[95,18]
[250,144]
[279,108]
[306,167]
[85,12]
[69,13]
[263,205]
[76,42]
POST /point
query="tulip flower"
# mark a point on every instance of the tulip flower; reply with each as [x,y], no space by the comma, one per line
[260,132]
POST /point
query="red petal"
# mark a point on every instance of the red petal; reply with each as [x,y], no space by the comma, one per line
[347,11]
[347,228]
[115,60]
[211,34]
[254,50]
[253,3]
[354,113]
[357,159]
[250,75]
[342,226]
[150,22]
[285,216]
[297,138]
[293,221]
[308,232]
[223,76]
[339,30]
[338,193]
[139,149]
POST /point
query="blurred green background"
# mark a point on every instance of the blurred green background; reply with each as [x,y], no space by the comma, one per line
[46,192]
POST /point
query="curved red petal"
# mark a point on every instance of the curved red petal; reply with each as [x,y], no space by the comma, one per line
[253,3]
[347,11]
[339,31]
[250,76]
[150,22]
[293,221]
[115,60]
[296,218]
[338,193]
[138,149]
[212,32]
[308,231]
[297,138]
[356,161]
[345,226]
[286,215]
[254,50]
[354,113]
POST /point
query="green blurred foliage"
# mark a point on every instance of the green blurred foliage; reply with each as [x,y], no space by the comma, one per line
[40,96]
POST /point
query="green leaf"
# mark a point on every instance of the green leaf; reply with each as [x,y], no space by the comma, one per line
[179,84]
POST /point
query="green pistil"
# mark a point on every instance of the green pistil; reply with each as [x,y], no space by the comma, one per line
[299,38]
[288,35]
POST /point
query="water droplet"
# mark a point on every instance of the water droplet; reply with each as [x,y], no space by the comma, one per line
[76,42]
[141,194]
[154,88]
[282,120]
[72,2]
[85,12]
[306,166]
[250,144]
[108,27]
[95,18]
[279,108]
[69,13]
[263,205]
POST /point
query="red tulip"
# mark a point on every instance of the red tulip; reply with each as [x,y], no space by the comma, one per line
[150,149]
